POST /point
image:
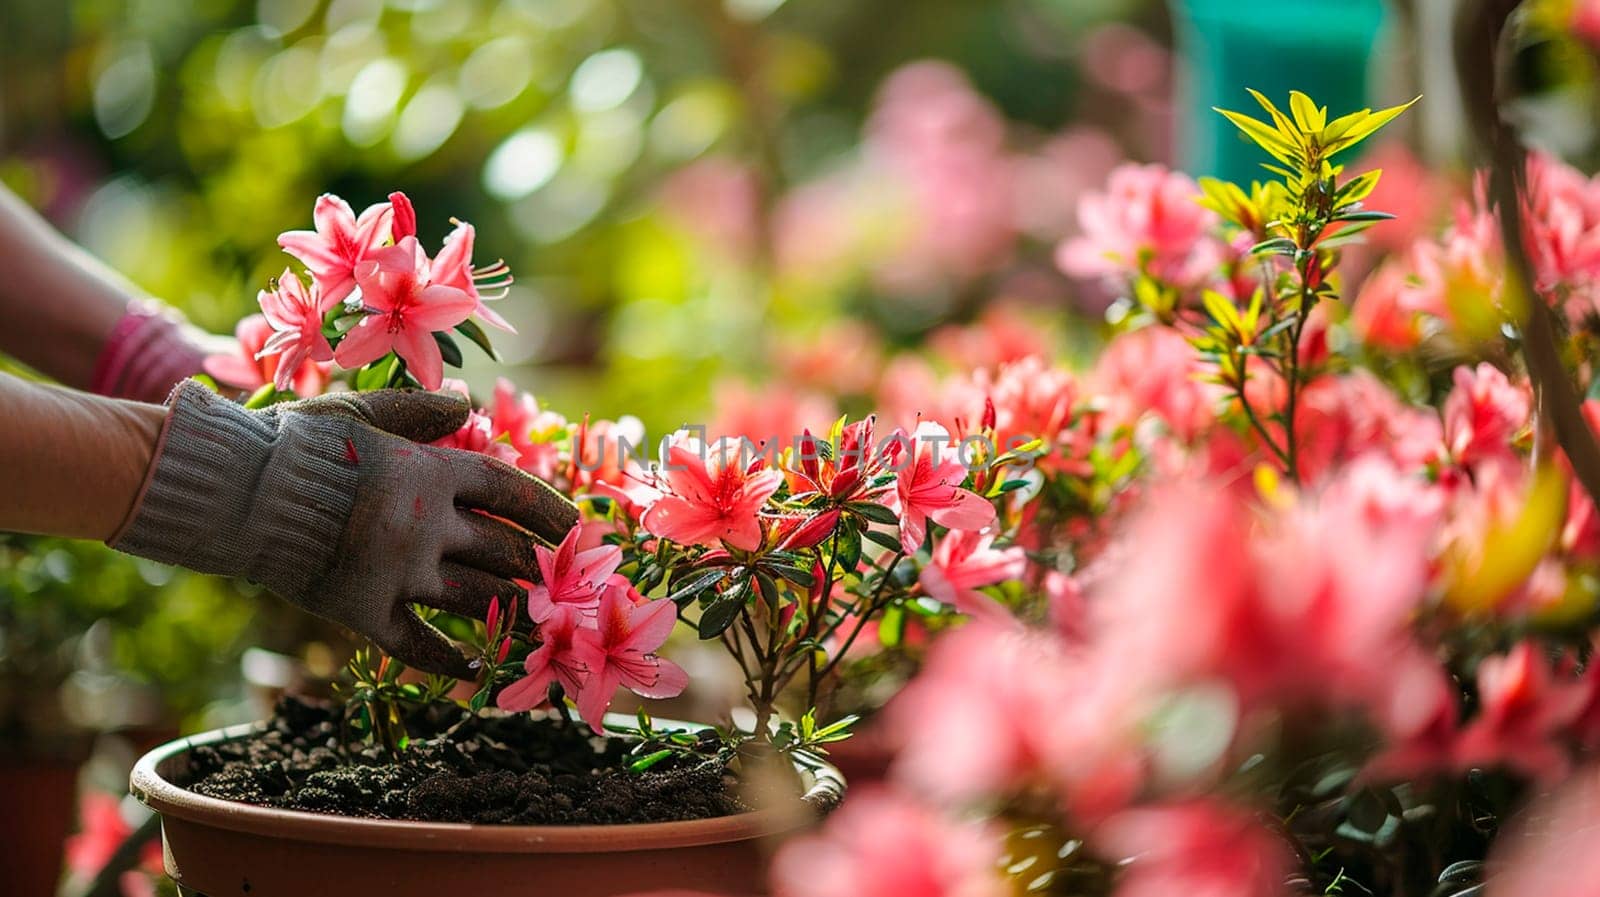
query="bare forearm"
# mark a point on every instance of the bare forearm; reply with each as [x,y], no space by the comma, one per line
[71,464]
[58,304]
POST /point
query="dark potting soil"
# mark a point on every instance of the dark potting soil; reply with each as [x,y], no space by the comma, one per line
[491,768]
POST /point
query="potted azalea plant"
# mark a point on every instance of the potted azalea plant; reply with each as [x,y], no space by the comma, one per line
[783,554]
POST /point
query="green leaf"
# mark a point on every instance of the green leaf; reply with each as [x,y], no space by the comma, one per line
[1276,245]
[769,589]
[1306,114]
[722,612]
[648,760]
[874,512]
[448,348]
[892,626]
[891,541]
[376,374]
[1263,136]
[688,593]
[1373,216]
[262,397]
[470,329]
[848,544]
[794,573]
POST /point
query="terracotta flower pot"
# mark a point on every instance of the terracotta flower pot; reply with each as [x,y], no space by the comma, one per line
[222,848]
[41,799]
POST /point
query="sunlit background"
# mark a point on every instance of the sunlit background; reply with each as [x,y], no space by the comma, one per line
[716,210]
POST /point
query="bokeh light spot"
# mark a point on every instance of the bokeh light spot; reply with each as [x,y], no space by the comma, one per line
[605,80]
[126,90]
[522,164]
[428,120]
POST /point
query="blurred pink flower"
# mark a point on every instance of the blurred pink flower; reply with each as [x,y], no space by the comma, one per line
[882,845]
[1548,850]
[295,314]
[929,486]
[1054,177]
[1383,316]
[942,144]
[999,708]
[1562,231]
[555,660]
[842,358]
[1154,371]
[620,653]
[710,494]
[404,308]
[1482,416]
[1147,221]
[1001,335]
[1199,848]
[962,561]
[340,243]
[249,369]
[772,415]
[1525,709]
[718,200]
[1585,21]
[571,579]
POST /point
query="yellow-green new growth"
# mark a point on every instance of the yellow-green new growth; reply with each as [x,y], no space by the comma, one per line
[1305,140]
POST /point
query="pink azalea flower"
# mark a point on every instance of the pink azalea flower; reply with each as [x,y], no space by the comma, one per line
[1198,849]
[477,435]
[404,309]
[964,560]
[339,244]
[708,497]
[620,652]
[452,267]
[555,660]
[1146,220]
[517,416]
[295,314]
[855,854]
[1482,416]
[249,369]
[571,578]
[929,486]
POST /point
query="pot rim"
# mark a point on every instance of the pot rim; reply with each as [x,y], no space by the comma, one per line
[156,791]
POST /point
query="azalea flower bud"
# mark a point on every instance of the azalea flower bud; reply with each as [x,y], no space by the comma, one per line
[491,623]
[505,650]
[845,483]
[812,531]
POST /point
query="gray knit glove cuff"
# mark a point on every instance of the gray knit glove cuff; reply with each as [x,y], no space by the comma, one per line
[339,505]
[263,495]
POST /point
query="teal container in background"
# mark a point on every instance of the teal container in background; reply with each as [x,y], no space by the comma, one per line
[1321,47]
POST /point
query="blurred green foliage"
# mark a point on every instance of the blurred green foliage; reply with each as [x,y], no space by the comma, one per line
[150,645]
[177,140]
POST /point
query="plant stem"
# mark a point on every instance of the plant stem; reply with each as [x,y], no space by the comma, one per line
[872,609]
[1250,413]
[1290,453]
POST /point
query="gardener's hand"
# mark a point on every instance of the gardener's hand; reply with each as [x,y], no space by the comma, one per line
[335,504]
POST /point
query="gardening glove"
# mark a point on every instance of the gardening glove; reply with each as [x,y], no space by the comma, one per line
[336,504]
